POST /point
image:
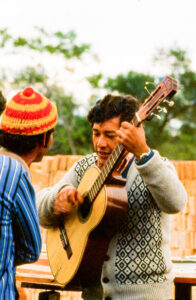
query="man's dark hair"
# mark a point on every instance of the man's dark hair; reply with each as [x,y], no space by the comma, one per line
[22,144]
[112,106]
[2,103]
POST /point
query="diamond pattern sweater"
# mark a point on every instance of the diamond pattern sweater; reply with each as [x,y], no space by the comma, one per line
[138,265]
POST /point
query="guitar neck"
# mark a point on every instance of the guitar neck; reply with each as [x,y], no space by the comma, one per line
[110,165]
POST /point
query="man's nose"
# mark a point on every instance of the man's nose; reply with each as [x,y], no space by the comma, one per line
[101,141]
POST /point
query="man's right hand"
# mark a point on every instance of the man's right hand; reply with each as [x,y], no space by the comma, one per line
[66,199]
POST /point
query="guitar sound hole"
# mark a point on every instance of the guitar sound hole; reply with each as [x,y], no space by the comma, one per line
[84,209]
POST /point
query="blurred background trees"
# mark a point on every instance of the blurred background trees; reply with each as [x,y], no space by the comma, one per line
[174,135]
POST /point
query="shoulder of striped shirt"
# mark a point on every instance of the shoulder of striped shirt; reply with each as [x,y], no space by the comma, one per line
[4,151]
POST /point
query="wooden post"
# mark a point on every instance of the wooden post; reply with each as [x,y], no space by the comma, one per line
[182,291]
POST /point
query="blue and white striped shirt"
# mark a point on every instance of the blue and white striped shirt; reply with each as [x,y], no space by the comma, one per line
[20,237]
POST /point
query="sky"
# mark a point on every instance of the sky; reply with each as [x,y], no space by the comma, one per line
[125,34]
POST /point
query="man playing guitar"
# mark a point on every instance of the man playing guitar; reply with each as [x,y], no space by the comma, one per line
[137,265]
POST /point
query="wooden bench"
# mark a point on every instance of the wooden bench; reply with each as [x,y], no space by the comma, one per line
[183,284]
[38,276]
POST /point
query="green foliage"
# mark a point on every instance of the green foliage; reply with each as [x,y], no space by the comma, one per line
[54,43]
[175,143]
[132,83]
[95,80]
[179,147]
[174,135]
[73,133]
[80,133]
[30,76]
[176,59]
[5,37]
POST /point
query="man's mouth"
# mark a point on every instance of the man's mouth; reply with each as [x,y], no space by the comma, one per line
[103,154]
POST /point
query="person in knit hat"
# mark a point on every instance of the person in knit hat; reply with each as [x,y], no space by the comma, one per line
[26,132]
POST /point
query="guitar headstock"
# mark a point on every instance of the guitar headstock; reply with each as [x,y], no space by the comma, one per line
[166,89]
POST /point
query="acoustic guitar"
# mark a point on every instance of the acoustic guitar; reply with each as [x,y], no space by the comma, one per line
[77,247]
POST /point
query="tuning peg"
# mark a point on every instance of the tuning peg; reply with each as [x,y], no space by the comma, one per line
[155,115]
[170,103]
[161,109]
[150,82]
[164,110]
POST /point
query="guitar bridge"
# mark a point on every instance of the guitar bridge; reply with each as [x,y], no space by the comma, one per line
[65,241]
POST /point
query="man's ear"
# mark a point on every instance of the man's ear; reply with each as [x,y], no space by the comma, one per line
[44,140]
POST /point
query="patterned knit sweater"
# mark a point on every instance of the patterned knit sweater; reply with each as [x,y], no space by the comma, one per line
[138,265]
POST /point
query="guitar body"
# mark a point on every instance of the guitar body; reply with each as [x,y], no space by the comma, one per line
[88,236]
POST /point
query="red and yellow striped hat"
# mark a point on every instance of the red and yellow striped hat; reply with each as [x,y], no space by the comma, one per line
[29,113]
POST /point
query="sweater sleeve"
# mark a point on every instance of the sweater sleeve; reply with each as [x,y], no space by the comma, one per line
[162,181]
[27,235]
[46,197]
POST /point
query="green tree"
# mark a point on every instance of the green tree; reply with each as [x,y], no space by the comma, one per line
[72,130]
[54,43]
[181,141]
[175,134]
[72,134]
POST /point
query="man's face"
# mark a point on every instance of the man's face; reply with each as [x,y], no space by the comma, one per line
[43,149]
[105,138]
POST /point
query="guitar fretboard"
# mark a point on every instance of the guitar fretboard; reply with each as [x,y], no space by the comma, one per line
[107,170]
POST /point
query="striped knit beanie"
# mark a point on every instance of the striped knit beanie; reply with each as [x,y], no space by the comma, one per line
[29,113]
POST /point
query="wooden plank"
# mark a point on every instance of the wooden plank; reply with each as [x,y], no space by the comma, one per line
[185,278]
